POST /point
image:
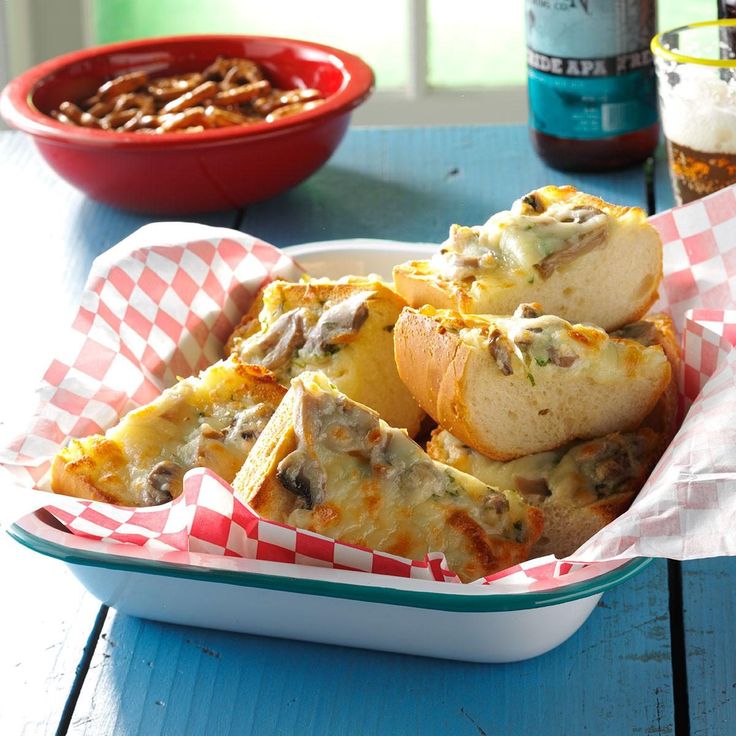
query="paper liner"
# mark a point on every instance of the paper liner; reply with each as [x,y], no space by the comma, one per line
[687,508]
[161,303]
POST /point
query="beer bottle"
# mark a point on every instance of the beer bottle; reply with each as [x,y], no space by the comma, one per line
[727,11]
[591,83]
[727,8]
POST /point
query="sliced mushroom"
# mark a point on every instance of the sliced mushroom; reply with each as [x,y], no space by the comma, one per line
[611,462]
[211,451]
[579,214]
[496,501]
[531,202]
[163,483]
[564,360]
[247,424]
[339,323]
[302,476]
[462,261]
[531,486]
[643,332]
[276,346]
[423,479]
[574,248]
[240,428]
[529,311]
[500,350]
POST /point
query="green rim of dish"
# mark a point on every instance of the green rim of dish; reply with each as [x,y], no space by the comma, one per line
[456,602]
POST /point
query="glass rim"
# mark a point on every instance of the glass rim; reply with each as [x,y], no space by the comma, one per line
[659,50]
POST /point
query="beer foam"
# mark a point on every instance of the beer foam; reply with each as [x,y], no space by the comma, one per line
[700,111]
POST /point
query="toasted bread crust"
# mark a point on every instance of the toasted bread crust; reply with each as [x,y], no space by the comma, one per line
[576,198]
[488,554]
[67,480]
[256,483]
[663,418]
[247,326]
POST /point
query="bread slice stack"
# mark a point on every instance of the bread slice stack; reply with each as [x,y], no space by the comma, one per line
[583,259]
[330,465]
[582,485]
[571,403]
[342,328]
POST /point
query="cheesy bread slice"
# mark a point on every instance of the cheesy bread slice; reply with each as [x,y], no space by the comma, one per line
[584,259]
[342,328]
[579,488]
[330,465]
[211,420]
[513,386]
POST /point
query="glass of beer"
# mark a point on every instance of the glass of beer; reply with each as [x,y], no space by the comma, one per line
[696,79]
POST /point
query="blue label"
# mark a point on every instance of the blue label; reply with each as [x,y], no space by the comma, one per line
[587,108]
[590,69]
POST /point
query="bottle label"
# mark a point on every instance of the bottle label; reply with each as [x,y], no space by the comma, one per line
[590,68]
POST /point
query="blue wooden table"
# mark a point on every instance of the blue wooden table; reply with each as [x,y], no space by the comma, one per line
[658,656]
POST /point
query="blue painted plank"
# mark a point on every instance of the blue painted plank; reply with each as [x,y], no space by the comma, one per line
[612,677]
[46,620]
[663,196]
[412,184]
[50,234]
[709,605]
[709,609]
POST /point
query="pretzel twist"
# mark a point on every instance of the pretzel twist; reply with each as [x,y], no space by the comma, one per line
[229,92]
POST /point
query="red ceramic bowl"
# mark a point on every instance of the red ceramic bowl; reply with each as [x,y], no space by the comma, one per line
[189,172]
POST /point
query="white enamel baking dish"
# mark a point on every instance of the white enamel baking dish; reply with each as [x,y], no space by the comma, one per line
[335,607]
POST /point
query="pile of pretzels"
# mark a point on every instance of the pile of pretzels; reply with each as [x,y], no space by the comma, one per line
[228,92]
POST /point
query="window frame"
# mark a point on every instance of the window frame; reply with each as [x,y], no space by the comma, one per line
[4,58]
[417,104]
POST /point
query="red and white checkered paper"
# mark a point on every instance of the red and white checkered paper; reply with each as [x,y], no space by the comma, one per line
[161,303]
[687,508]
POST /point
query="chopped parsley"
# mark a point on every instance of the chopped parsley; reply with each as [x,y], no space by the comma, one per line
[453,488]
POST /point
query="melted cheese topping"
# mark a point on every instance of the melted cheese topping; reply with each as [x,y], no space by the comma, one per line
[361,481]
[305,337]
[513,245]
[583,473]
[547,343]
[211,420]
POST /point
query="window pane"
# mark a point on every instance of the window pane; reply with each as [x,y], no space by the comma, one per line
[476,43]
[482,42]
[375,31]
[673,13]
